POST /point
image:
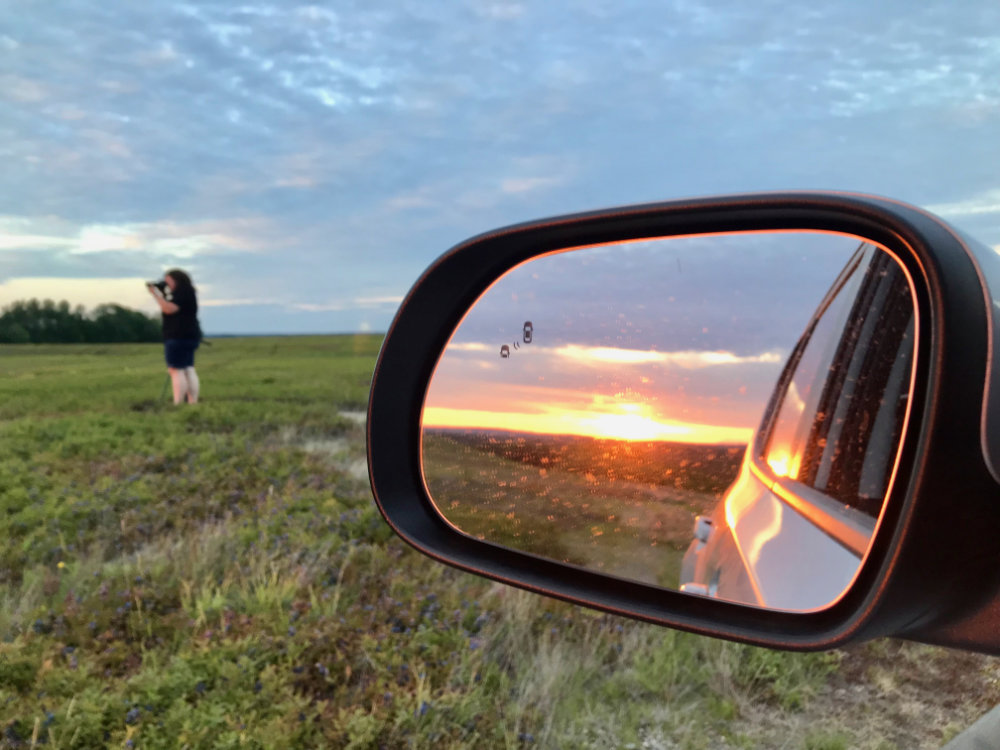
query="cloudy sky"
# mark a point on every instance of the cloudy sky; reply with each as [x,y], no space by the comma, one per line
[669,339]
[306,162]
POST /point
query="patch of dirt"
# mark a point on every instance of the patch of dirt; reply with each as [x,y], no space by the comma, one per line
[328,446]
[347,450]
[358,469]
[358,417]
[886,694]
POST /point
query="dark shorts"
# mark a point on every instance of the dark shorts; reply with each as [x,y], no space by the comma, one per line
[180,352]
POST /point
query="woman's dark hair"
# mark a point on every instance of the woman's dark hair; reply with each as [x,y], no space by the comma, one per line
[180,277]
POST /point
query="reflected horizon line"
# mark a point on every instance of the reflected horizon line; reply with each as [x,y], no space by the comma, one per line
[624,427]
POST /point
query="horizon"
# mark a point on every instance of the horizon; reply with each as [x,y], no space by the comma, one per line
[156,315]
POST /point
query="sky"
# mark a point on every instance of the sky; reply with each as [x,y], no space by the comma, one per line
[672,339]
[306,162]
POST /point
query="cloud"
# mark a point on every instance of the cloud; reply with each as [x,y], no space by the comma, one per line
[378,301]
[235,301]
[349,304]
[160,239]
[17,234]
[500,11]
[22,88]
[528,184]
[469,346]
[319,307]
[688,360]
[984,203]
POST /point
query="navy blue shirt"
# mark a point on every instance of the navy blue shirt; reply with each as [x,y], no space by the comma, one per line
[183,324]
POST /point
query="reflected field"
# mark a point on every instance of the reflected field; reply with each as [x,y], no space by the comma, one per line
[622,507]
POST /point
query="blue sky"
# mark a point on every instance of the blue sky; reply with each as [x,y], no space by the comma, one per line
[306,162]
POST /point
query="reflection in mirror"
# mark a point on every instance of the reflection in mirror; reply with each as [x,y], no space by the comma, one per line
[595,407]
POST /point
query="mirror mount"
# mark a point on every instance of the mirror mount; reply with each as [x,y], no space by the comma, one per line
[941,518]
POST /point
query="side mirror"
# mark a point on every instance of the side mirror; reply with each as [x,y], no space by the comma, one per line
[763,418]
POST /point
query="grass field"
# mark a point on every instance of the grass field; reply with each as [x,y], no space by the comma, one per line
[218,576]
[624,508]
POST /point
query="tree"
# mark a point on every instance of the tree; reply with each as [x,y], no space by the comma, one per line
[51,322]
[14,333]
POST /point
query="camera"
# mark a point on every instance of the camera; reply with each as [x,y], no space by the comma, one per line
[161,285]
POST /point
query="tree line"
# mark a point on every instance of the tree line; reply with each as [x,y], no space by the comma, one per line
[49,322]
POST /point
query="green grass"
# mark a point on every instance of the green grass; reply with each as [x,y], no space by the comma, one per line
[636,531]
[218,576]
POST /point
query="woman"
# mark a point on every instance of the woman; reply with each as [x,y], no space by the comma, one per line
[181,332]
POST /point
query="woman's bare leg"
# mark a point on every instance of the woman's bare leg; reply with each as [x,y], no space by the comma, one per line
[193,385]
[180,384]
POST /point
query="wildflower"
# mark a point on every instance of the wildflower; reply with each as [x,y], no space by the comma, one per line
[61,565]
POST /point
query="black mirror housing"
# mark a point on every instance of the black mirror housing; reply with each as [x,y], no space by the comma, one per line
[931,573]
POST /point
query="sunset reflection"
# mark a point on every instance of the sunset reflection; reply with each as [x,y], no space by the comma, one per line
[602,392]
[781,463]
[592,403]
[618,421]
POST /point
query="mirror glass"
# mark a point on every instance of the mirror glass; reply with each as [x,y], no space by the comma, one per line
[595,407]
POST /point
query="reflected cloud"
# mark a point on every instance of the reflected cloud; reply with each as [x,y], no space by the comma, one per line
[689,359]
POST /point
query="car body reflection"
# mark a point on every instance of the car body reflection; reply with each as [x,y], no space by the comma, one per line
[792,531]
